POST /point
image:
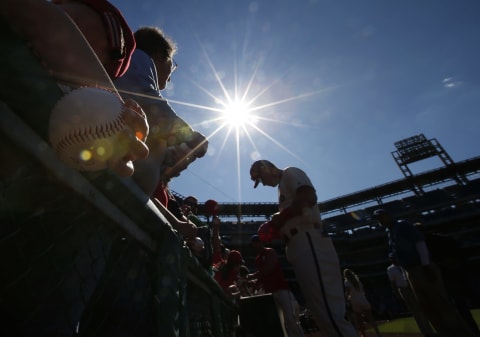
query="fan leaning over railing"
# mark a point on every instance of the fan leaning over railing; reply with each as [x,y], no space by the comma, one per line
[81,253]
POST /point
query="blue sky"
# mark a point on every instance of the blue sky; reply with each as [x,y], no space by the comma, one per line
[332,85]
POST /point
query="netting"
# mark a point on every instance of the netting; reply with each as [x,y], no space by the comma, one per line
[69,269]
[85,254]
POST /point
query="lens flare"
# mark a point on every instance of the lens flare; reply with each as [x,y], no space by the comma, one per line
[86,155]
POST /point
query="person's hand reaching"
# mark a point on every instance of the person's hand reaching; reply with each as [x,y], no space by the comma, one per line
[130,143]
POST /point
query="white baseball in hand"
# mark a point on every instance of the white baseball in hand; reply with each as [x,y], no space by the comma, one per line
[84,125]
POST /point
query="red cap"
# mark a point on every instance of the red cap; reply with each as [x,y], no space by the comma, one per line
[211,207]
[121,41]
[235,257]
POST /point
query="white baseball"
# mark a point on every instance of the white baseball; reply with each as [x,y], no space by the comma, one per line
[83,127]
[198,245]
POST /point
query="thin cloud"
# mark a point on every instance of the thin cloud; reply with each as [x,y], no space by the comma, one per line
[450,82]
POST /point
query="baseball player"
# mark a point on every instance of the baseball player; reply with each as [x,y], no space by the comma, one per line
[310,252]
[409,246]
[401,288]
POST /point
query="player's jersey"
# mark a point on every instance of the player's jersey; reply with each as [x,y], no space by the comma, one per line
[292,179]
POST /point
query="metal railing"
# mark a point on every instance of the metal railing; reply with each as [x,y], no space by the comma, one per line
[75,263]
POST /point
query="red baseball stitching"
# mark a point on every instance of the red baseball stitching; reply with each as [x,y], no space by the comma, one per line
[92,133]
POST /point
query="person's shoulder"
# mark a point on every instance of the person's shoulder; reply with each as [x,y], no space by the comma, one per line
[292,171]
[140,60]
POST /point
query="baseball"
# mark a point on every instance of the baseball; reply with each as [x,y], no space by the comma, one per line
[198,245]
[83,127]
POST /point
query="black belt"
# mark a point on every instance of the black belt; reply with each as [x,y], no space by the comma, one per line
[294,232]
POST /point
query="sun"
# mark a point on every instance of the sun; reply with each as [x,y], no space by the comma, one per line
[236,113]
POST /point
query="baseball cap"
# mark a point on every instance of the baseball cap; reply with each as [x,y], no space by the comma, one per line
[121,41]
[255,173]
[235,257]
[190,201]
[211,207]
[255,170]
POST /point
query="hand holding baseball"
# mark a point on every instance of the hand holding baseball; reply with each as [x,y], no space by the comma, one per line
[92,129]
[130,144]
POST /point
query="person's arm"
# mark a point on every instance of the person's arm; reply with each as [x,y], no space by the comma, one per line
[429,270]
[186,228]
[423,252]
[62,49]
[393,284]
[305,197]
[216,240]
[391,278]
[347,289]
[169,156]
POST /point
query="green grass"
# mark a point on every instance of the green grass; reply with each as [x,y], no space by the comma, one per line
[408,324]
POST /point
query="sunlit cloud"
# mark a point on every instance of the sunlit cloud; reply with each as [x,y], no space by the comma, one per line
[450,82]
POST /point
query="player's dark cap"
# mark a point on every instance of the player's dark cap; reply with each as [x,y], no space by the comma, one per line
[255,170]
[255,238]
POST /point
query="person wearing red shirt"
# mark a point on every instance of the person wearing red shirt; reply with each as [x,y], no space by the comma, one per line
[271,277]
[227,273]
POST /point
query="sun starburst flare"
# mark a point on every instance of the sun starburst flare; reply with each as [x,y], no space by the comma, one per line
[240,114]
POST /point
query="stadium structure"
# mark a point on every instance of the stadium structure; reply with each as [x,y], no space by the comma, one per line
[444,200]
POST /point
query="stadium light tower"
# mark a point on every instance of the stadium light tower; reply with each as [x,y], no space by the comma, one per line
[418,147]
